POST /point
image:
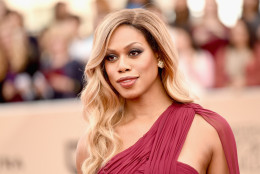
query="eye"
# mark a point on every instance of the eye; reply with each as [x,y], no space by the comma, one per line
[111,57]
[135,52]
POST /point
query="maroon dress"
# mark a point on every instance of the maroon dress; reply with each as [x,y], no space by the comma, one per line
[158,150]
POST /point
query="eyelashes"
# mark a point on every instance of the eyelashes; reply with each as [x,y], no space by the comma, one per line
[131,53]
[135,52]
[111,57]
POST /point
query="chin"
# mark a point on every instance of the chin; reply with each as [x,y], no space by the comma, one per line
[130,96]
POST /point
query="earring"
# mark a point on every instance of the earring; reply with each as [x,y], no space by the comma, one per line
[160,64]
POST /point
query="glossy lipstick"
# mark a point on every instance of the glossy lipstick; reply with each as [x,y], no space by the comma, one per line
[127,82]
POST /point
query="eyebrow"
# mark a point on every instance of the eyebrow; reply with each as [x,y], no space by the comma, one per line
[127,46]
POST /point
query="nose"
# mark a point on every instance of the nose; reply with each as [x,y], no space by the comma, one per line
[123,65]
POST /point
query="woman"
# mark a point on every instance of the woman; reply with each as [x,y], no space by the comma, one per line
[196,64]
[59,75]
[234,59]
[15,58]
[140,118]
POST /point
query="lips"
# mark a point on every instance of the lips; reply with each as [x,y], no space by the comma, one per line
[127,82]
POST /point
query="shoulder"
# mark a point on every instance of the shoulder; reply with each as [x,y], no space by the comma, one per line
[208,145]
[200,124]
[81,152]
[204,133]
[218,162]
[211,138]
[214,119]
[200,145]
[213,132]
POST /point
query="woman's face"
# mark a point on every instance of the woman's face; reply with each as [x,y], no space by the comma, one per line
[131,64]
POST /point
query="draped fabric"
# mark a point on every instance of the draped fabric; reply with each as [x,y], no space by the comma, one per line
[158,150]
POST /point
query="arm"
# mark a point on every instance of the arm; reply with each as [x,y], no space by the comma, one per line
[218,163]
[81,153]
[225,141]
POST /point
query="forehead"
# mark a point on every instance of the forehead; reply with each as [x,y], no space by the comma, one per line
[124,35]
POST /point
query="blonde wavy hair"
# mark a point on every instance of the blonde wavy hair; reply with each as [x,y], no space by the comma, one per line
[103,106]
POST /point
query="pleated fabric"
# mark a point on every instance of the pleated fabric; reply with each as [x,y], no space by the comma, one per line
[158,150]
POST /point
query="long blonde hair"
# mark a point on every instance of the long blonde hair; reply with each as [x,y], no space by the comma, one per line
[103,106]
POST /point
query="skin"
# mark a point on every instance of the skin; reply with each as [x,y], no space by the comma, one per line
[146,99]
[125,60]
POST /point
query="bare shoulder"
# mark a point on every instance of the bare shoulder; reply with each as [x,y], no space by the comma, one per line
[217,162]
[81,153]
[202,146]
[202,132]
[201,125]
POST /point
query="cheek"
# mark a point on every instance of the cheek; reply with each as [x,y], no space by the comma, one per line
[108,69]
[110,72]
[149,65]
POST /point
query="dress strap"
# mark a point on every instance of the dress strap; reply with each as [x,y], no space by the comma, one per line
[225,134]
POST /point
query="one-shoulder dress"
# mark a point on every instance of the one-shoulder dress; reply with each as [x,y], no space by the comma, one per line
[158,150]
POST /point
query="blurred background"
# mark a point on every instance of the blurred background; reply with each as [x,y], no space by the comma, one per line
[45,44]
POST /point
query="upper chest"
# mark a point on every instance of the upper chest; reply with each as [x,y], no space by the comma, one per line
[195,148]
[130,133]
